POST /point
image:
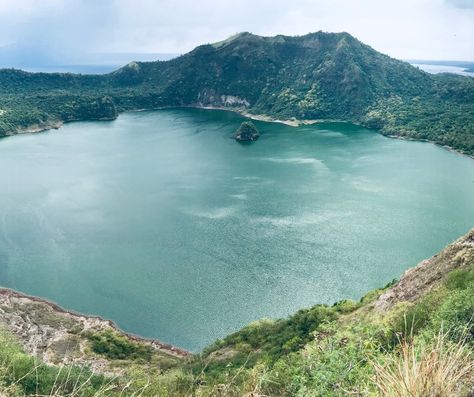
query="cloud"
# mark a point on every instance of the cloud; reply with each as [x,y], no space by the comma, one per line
[461,3]
[436,29]
[55,29]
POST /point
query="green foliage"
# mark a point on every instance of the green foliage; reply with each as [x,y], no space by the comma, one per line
[44,111]
[338,363]
[445,117]
[21,374]
[450,307]
[118,347]
[460,279]
[456,312]
[267,341]
[331,351]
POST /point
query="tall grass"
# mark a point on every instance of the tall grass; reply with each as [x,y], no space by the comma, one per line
[68,384]
[23,375]
[441,368]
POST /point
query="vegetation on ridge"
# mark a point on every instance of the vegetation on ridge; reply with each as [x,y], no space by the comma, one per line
[330,76]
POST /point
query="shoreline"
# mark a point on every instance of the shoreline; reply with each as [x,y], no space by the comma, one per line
[35,128]
[155,343]
[446,147]
[395,293]
[293,122]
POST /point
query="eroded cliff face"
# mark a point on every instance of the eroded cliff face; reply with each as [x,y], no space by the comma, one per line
[209,97]
[58,336]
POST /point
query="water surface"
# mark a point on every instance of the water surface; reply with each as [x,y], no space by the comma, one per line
[439,68]
[163,223]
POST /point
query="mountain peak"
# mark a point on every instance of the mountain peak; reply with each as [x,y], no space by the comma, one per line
[306,40]
[236,37]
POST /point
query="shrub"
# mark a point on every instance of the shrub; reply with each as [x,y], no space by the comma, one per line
[118,347]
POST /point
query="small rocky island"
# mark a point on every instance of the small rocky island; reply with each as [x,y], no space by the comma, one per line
[246,132]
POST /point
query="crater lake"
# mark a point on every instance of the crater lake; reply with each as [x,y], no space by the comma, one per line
[163,223]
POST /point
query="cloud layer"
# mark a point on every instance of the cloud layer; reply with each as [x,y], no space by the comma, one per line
[416,29]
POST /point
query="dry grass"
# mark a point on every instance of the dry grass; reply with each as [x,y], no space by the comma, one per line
[440,369]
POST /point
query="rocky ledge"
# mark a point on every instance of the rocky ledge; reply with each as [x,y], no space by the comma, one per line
[56,335]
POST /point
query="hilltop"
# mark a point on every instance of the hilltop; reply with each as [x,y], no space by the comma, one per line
[318,76]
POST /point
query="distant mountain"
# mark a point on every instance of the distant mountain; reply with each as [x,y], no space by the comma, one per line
[319,76]
[35,57]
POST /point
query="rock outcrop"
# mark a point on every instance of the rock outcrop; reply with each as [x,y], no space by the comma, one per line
[58,336]
[246,132]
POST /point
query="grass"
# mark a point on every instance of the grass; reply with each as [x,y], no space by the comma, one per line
[343,350]
[23,375]
[439,369]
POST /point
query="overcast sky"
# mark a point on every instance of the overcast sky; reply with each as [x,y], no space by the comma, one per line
[69,29]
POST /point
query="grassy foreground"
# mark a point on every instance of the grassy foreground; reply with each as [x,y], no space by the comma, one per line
[380,346]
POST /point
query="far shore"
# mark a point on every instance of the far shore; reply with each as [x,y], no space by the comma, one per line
[292,122]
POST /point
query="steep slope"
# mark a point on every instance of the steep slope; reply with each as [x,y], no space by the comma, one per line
[420,280]
[317,76]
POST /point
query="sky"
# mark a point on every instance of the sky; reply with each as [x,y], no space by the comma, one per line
[70,31]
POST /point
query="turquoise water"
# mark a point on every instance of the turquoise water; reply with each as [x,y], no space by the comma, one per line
[163,223]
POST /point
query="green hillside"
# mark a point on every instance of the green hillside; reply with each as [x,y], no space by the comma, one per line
[319,76]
